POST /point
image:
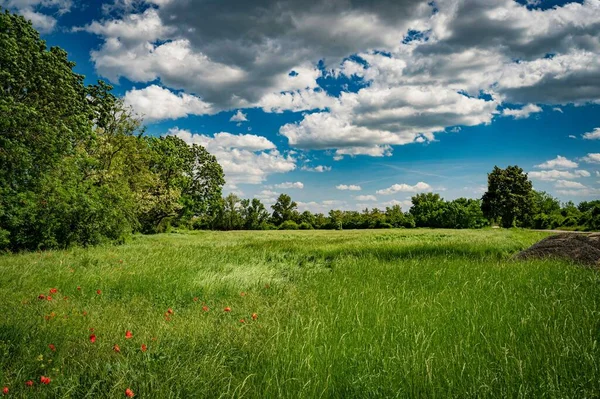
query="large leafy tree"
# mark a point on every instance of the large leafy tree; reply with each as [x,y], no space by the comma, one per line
[284,209]
[509,196]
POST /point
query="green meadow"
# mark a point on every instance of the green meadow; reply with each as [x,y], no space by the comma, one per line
[337,314]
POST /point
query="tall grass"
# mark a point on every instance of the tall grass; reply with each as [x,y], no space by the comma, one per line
[417,313]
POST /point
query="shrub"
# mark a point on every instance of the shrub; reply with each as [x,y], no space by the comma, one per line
[305,226]
[288,225]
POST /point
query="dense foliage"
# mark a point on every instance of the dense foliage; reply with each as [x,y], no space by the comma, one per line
[74,165]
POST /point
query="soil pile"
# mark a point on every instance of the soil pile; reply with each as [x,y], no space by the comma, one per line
[581,248]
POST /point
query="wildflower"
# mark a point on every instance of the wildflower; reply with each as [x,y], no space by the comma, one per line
[170,311]
[227,309]
[205,308]
[99,292]
[196,299]
[78,288]
[129,393]
[53,290]
[242,294]
[5,391]
[45,380]
[49,298]
[254,316]
[144,348]
[84,313]
[52,347]
[65,298]
[242,321]
[116,348]
[128,334]
[93,338]
[41,297]
[29,383]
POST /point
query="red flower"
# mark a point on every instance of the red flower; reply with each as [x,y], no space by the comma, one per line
[254,316]
[78,288]
[53,290]
[144,348]
[196,299]
[170,311]
[242,321]
[242,294]
[45,380]
[129,393]
[205,308]
[116,348]
[93,338]
[227,309]
[5,391]
[128,334]
[49,298]
[99,292]
[41,297]
[29,383]
[52,347]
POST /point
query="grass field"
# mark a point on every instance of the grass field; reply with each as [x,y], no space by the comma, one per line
[349,314]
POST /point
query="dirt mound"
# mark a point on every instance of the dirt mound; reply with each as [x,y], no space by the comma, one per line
[581,248]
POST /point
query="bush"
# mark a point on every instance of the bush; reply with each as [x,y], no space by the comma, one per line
[305,226]
[288,225]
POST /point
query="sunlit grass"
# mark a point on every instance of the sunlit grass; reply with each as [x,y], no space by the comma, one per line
[415,313]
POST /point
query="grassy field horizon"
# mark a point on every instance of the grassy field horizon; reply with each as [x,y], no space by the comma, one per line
[302,314]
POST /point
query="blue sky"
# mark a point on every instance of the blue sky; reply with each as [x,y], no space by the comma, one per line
[353,103]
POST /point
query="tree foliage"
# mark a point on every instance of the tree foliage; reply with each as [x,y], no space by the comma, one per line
[509,196]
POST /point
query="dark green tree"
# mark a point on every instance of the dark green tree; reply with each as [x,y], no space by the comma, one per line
[509,196]
[284,209]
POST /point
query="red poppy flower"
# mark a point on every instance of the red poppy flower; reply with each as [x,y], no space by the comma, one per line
[99,292]
[144,348]
[52,347]
[49,298]
[93,338]
[128,334]
[205,308]
[227,309]
[129,393]
[29,383]
[45,380]
[53,290]
[78,288]
[41,297]
[5,391]
[116,348]
[170,311]
[196,299]
[242,294]
[84,313]
[254,316]
[242,321]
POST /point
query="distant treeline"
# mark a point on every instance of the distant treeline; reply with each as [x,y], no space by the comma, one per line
[428,210]
[77,169]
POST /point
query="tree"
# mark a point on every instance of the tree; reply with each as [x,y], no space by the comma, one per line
[283,209]
[509,196]
[231,215]
[427,209]
[255,214]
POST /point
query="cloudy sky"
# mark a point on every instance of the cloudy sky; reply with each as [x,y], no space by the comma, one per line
[353,103]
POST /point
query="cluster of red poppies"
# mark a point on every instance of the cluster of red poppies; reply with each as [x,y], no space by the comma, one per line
[128,334]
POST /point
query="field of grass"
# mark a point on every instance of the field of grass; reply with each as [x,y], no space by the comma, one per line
[348,314]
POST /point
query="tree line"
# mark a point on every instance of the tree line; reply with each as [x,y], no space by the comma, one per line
[77,169]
